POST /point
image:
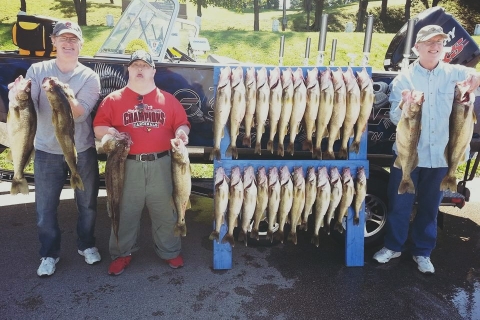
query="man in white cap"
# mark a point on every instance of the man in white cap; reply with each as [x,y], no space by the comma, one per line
[436,79]
[49,164]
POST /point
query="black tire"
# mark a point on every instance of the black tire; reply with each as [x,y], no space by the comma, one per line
[376,205]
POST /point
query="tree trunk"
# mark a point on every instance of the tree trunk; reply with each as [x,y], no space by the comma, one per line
[81,10]
[408,5]
[23,5]
[256,16]
[362,12]
[383,11]
[318,14]
[435,3]
[199,8]
[111,1]
[425,3]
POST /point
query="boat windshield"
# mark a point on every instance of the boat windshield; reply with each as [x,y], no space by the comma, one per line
[145,24]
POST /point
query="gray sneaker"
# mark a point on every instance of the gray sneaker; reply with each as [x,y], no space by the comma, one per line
[91,255]
[47,266]
[424,264]
[384,255]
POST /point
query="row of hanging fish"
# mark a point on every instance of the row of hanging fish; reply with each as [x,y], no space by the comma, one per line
[281,196]
[333,104]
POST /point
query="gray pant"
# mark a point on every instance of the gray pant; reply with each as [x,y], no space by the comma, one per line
[147,183]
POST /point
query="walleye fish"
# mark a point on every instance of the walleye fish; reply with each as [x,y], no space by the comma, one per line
[117,148]
[251,101]
[335,195]
[273,199]
[58,95]
[275,106]
[311,110]
[360,192]
[223,105]
[325,110]
[367,97]
[322,202]
[262,201]
[462,120]
[310,195]
[182,184]
[408,134]
[261,108]
[235,202]
[21,128]
[298,202]
[249,201]
[348,190]
[338,113]
[221,201]
[352,111]
[287,105]
[299,106]
[286,201]
[237,113]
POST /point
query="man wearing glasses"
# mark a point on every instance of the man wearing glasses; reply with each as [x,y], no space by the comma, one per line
[152,117]
[437,80]
[49,165]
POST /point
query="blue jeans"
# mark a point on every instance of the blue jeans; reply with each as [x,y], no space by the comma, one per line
[50,175]
[424,226]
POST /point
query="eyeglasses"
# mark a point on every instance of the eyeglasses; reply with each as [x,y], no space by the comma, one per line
[433,43]
[68,39]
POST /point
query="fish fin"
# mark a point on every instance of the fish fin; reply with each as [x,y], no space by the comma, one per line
[19,186]
[189,204]
[449,182]
[180,230]
[270,146]
[338,227]
[214,236]
[258,148]
[241,236]
[280,149]
[316,240]
[342,153]
[228,153]
[406,186]
[292,236]
[317,153]
[307,145]
[356,219]
[290,148]
[355,147]
[254,234]
[474,118]
[280,236]
[397,163]
[328,155]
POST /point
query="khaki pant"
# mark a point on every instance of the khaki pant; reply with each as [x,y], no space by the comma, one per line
[147,183]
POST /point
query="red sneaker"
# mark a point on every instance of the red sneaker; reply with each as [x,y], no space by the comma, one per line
[118,265]
[175,262]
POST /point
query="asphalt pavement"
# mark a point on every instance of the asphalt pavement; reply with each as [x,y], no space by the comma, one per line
[282,281]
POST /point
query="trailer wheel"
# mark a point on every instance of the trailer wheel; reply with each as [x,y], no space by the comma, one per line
[376,205]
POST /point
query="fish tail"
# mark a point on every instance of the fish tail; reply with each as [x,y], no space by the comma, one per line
[234,152]
[270,146]
[247,141]
[316,240]
[258,148]
[19,186]
[342,153]
[293,237]
[356,220]
[241,236]
[180,229]
[290,148]
[228,153]
[406,186]
[215,235]
[328,155]
[254,234]
[449,183]
[307,145]
[228,238]
[355,147]
[76,181]
[280,149]
[280,236]
[215,154]
[338,227]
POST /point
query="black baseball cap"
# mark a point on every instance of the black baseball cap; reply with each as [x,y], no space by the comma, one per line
[142,55]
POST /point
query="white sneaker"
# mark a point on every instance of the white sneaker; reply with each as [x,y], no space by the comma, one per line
[384,255]
[47,266]
[424,264]
[91,255]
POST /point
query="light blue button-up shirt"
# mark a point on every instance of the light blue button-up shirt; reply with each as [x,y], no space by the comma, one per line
[438,86]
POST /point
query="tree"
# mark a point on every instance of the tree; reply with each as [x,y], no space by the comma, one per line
[319,4]
[362,12]
[23,5]
[256,15]
[81,10]
[383,11]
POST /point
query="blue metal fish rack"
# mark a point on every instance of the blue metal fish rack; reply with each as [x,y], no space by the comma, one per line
[354,234]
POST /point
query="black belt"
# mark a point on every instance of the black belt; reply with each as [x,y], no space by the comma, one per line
[147,156]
